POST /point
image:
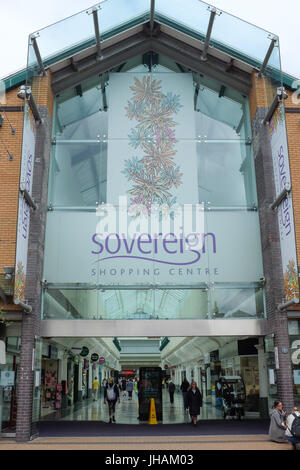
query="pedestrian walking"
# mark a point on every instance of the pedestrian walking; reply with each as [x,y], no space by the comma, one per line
[95,388]
[184,389]
[171,387]
[136,387]
[277,426]
[124,387]
[111,395]
[194,401]
[292,432]
[129,388]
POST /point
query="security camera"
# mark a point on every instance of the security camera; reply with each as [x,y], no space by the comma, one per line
[262,280]
[24,92]
[9,271]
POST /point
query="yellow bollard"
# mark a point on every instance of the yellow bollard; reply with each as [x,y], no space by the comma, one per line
[152,414]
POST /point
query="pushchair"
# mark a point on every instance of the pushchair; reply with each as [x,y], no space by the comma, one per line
[231,390]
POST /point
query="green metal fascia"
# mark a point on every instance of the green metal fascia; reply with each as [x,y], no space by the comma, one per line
[19,78]
[117,344]
[164,343]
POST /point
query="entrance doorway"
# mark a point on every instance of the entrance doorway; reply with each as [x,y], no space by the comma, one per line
[201,359]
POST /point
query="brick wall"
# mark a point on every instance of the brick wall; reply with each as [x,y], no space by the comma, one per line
[9,192]
[10,176]
[277,323]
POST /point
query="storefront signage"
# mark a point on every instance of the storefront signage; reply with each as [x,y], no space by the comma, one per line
[53,352]
[281,166]
[102,360]
[295,348]
[2,352]
[26,179]
[94,357]
[86,258]
[106,363]
[84,351]
[7,378]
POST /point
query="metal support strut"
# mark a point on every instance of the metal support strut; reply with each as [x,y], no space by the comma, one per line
[208,34]
[25,93]
[284,306]
[97,32]
[284,193]
[38,56]
[280,95]
[152,10]
[26,307]
[267,58]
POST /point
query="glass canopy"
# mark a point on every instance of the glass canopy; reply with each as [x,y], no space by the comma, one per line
[229,33]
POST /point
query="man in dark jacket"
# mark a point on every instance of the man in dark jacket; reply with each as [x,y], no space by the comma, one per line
[171,391]
[194,401]
[111,395]
[184,388]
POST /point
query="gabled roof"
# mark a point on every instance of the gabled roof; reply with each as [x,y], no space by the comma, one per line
[230,45]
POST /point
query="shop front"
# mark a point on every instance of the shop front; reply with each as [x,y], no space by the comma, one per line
[294,333]
[9,367]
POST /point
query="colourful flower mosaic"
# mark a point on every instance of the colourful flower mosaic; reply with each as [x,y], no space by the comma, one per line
[155,174]
[291,287]
[20,282]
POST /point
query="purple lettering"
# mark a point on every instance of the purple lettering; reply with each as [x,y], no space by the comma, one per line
[129,250]
[97,243]
[204,236]
[140,241]
[107,243]
[172,252]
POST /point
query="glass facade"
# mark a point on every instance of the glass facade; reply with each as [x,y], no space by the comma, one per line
[153,304]
[162,139]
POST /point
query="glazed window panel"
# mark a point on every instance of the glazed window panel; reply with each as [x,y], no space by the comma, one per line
[220,302]
[78,174]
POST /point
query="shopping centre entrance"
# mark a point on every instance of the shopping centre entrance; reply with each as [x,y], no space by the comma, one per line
[75,371]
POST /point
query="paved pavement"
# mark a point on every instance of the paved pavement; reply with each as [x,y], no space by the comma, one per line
[188,443]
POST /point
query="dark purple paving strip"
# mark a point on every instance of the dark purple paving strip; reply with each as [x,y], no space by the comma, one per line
[204,428]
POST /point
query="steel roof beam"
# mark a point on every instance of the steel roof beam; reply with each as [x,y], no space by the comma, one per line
[188,57]
[113,57]
[139,44]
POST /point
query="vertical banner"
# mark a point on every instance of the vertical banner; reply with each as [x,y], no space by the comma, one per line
[282,176]
[26,177]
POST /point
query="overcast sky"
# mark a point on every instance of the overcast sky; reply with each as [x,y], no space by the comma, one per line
[19,18]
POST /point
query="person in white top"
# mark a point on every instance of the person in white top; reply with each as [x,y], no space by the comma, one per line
[289,421]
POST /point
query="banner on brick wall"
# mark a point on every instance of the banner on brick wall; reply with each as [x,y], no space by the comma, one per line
[279,145]
[26,177]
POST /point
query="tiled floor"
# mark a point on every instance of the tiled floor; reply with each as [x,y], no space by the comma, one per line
[127,411]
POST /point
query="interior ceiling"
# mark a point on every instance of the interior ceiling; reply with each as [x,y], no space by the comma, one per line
[138,352]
